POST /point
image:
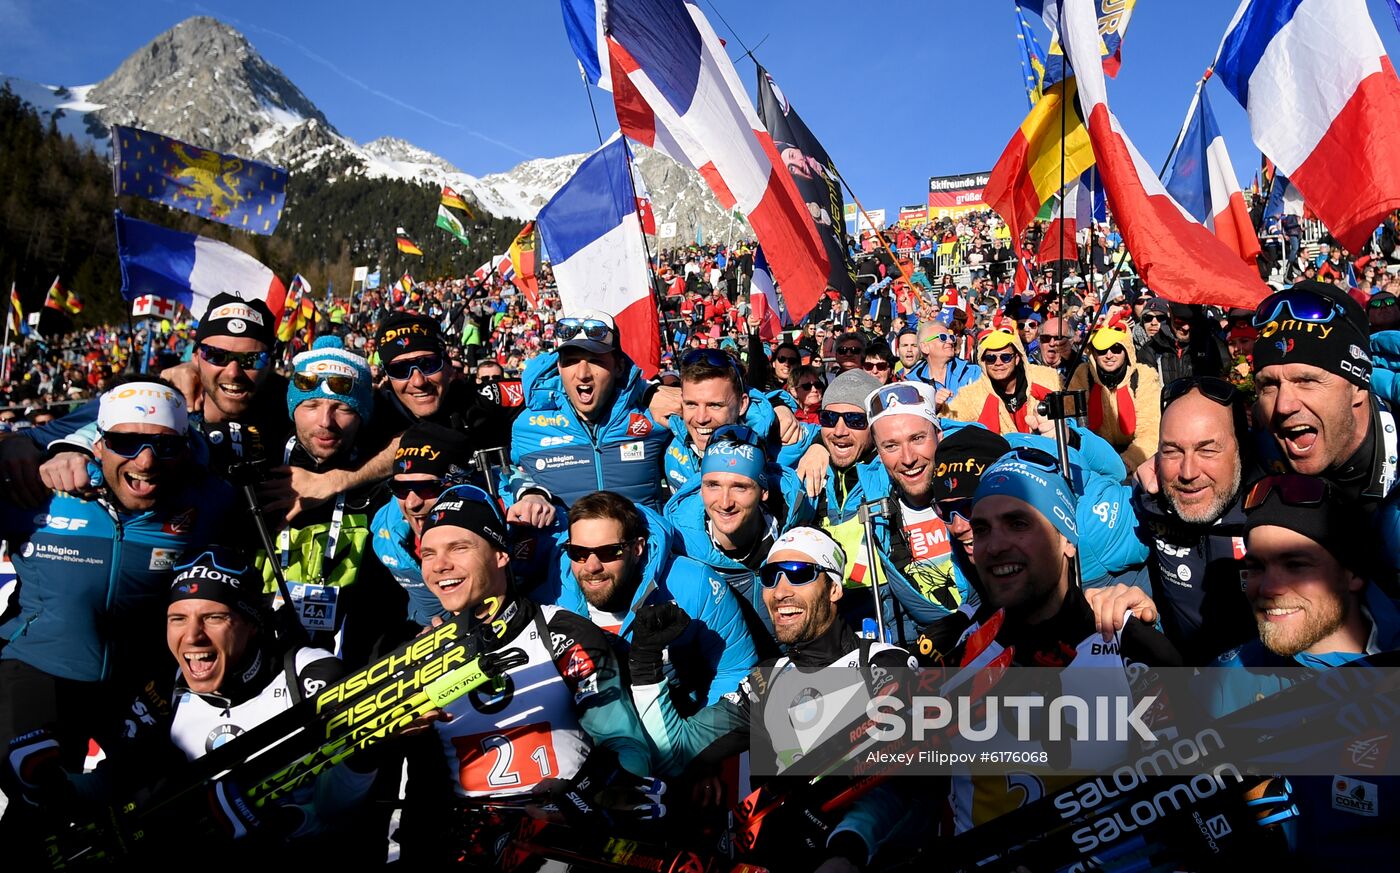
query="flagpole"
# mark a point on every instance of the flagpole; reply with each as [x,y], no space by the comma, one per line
[1171,154]
[908,279]
[666,335]
[10,315]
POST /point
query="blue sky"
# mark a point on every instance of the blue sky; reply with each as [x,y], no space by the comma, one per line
[897,90]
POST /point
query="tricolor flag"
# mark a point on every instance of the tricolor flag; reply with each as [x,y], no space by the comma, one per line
[523,258]
[57,298]
[675,90]
[294,317]
[1028,172]
[772,317]
[1203,181]
[1175,256]
[594,237]
[404,286]
[1082,206]
[1283,200]
[456,201]
[1323,100]
[189,268]
[406,243]
[644,210]
[15,317]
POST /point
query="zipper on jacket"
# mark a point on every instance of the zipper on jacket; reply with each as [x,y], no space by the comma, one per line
[113,574]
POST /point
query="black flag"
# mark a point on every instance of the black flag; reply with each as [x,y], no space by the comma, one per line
[811,168]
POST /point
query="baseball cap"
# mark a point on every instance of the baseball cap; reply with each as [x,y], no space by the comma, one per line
[589,329]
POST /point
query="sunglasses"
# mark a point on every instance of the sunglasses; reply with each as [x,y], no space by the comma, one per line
[738,434]
[1153,317]
[1302,305]
[1373,303]
[607,554]
[223,357]
[875,366]
[786,359]
[854,420]
[1051,338]
[940,337]
[428,365]
[163,445]
[1115,349]
[850,350]
[808,386]
[710,358]
[426,489]
[309,382]
[1291,488]
[796,573]
[1211,387]
[947,510]
[591,328]
[1002,358]
[891,396]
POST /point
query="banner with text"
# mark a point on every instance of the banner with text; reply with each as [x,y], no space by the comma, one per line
[950,196]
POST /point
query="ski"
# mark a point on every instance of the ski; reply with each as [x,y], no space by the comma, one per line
[535,839]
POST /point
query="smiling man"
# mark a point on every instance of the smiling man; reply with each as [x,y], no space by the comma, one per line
[94,573]
[1009,387]
[586,424]
[1309,585]
[618,558]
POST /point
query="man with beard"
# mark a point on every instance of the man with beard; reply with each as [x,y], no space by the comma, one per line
[617,558]
[906,348]
[802,586]
[94,572]
[1024,536]
[1308,570]
[1009,388]
[322,553]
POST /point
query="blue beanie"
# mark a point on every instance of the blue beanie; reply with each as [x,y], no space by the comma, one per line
[1033,476]
[328,357]
[728,456]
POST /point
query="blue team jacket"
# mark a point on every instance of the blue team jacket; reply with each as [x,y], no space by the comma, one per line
[94,580]
[716,652]
[555,449]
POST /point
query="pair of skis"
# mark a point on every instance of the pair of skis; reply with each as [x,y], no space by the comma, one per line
[272,760]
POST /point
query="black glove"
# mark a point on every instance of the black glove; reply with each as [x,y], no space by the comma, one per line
[34,771]
[602,792]
[653,629]
[235,814]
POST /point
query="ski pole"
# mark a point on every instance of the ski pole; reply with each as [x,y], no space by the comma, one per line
[867,516]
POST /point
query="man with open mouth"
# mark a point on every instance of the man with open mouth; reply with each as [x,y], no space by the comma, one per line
[94,571]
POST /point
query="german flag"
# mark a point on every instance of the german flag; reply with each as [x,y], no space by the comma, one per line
[1028,172]
[407,245]
[454,200]
[57,298]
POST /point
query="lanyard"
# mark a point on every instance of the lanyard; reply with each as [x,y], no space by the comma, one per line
[284,539]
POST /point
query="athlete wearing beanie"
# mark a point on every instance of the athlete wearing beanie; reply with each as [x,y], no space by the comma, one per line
[330,398]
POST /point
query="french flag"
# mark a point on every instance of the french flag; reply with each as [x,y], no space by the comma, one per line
[594,236]
[1323,101]
[766,305]
[1203,182]
[675,90]
[1175,255]
[1083,205]
[190,268]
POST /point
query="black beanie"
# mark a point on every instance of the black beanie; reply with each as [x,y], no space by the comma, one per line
[404,332]
[961,457]
[223,576]
[467,506]
[231,315]
[1340,346]
[432,448]
[1334,523]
